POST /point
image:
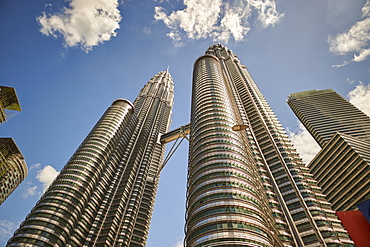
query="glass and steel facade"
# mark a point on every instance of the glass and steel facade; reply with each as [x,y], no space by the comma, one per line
[13,168]
[104,195]
[8,103]
[342,167]
[227,201]
[325,112]
[247,188]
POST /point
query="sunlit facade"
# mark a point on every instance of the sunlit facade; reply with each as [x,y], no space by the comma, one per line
[104,195]
[324,112]
[13,168]
[249,187]
[8,103]
[342,167]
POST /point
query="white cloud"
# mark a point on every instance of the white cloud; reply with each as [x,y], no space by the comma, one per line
[234,23]
[198,19]
[267,12]
[360,97]
[179,242]
[7,228]
[355,40]
[349,81]
[366,9]
[304,143]
[216,19]
[29,191]
[35,166]
[46,176]
[84,23]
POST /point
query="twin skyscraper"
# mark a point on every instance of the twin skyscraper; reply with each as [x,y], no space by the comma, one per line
[247,185]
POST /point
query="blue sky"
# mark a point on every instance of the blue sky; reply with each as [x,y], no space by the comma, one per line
[69,60]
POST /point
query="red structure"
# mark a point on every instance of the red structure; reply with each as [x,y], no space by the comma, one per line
[357,226]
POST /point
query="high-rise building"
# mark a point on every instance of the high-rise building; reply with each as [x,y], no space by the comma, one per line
[325,112]
[247,186]
[13,168]
[342,167]
[105,193]
[8,102]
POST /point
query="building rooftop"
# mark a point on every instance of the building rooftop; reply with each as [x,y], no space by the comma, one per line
[307,93]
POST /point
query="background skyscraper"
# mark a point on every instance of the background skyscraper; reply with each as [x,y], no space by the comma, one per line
[13,168]
[342,167]
[324,113]
[247,187]
[105,193]
[8,102]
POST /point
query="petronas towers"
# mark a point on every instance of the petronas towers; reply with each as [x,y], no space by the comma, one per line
[247,186]
[104,195]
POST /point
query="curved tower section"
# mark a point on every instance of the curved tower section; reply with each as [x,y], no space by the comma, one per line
[125,216]
[311,220]
[57,214]
[13,168]
[104,195]
[227,204]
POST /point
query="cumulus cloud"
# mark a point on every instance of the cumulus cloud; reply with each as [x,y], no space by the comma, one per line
[46,176]
[360,97]
[304,143]
[7,228]
[355,41]
[234,22]
[198,19]
[83,23]
[267,12]
[218,19]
